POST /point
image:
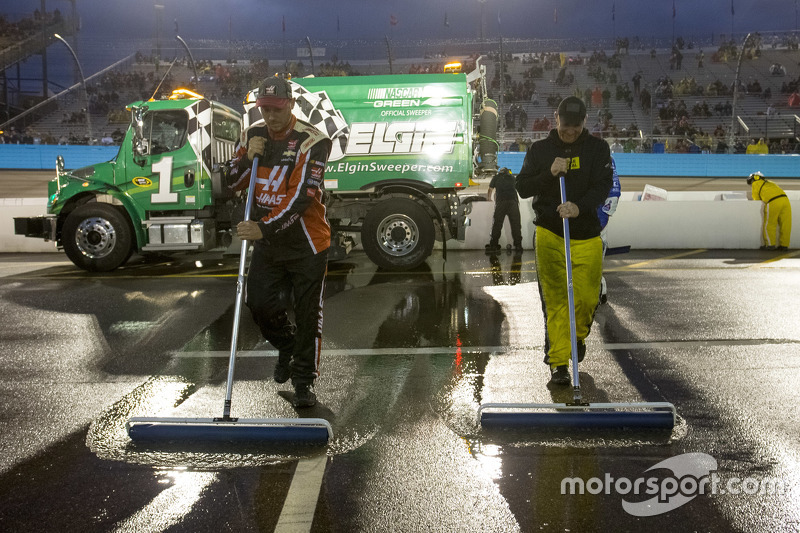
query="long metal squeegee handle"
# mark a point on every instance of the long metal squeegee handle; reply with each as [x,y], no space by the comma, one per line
[573,336]
[240,281]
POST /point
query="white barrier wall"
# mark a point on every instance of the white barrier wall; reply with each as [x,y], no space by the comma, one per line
[692,219]
[685,220]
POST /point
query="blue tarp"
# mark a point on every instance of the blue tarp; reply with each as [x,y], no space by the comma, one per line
[43,157]
[689,165]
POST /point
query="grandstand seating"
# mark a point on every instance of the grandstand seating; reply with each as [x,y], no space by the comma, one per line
[751,109]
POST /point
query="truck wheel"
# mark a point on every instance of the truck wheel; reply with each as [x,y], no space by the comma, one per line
[397,234]
[97,237]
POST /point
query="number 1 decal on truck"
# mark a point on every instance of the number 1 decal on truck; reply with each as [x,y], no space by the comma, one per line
[164,170]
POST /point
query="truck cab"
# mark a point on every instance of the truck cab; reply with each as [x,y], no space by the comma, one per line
[160,193]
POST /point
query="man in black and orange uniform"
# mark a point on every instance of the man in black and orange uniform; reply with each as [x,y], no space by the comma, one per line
[290,233]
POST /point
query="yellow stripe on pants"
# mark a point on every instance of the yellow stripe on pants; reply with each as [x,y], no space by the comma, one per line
[551,268]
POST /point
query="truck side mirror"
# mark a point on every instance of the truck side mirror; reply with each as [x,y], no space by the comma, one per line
[140,145]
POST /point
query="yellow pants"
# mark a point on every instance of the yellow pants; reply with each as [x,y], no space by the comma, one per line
[551,269]
[777,213]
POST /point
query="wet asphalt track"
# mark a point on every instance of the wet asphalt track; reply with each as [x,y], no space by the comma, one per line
[408,359]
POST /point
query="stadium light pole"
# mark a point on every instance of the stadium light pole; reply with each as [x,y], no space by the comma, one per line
[191,58]
[310,54]
[83,81]
[731,134]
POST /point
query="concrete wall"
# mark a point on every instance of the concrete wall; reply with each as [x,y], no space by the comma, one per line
[21,207]
[691,220]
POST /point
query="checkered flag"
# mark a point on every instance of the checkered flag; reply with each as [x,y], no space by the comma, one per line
[318,110]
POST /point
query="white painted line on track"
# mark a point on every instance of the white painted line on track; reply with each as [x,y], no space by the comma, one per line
[432,350]
[465,350]
[297,514]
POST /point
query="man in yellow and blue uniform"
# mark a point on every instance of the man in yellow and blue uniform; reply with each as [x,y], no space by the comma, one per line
[776,210]
[585,161]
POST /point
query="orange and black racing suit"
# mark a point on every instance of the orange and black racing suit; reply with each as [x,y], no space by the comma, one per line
[290,262]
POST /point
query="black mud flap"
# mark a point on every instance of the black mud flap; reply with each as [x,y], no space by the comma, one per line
[41,227]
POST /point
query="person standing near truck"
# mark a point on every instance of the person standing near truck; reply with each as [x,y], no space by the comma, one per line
[585,161]
[290,233]
[506,204]
[776,212]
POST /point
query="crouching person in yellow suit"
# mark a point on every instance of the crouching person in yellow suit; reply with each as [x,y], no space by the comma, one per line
[776,212]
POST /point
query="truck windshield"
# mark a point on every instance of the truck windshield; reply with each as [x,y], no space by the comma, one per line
[166,130]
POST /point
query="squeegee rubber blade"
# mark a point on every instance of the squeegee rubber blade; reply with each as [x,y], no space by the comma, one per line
[580,419]
[215,432]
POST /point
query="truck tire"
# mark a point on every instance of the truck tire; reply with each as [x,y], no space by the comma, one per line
[398,234]
[97,237]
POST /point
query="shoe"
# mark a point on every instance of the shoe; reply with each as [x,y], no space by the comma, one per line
[559,375]
[492,248]
[603,291]
[581,351]
[770,248]
[782,249]
[282,372]
[304,395]
[518,248]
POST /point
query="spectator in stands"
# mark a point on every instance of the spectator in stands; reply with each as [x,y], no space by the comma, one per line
[757,147]
[542,124]
[523,119]
[777,69]
[719,131]
[616,147]
[637,81]
[597,96]
[794,99]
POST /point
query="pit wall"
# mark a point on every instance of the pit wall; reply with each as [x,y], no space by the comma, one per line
[713,219]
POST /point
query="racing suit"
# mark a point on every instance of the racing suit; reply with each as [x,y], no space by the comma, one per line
[289,263]
[588,182]
[604,213]
[777,212]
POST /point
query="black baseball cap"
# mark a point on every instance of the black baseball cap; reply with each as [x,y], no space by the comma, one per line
[572,111]
[274,92]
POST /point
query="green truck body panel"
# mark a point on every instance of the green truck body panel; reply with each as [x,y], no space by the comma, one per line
[402,128]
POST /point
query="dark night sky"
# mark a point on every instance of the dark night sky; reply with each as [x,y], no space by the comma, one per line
[417,19]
